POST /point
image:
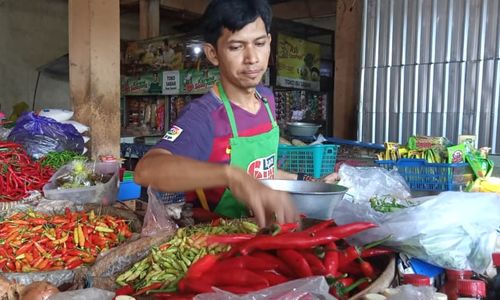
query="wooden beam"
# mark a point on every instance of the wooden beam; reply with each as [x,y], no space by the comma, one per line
[191,6]
[347,59]
[143,19]
[304,9]
[94,59]
[154,18]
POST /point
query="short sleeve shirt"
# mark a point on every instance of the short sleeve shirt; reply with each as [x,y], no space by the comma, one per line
[202,131]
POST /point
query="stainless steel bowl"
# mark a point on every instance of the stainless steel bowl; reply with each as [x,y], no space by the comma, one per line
[302,128]
[314,199]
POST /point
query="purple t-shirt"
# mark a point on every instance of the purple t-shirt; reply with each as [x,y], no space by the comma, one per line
[202,130]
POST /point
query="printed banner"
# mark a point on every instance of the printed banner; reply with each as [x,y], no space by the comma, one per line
[153,55]
[298,63]
[198,81]
[144,84]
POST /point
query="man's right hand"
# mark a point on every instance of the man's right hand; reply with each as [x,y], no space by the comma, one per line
[266,204]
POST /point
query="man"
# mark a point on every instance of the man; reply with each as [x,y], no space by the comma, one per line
[231,131]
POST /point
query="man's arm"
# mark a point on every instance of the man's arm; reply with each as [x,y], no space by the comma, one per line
[170,173]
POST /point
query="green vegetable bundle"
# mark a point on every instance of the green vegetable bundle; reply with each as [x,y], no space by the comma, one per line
[59,159]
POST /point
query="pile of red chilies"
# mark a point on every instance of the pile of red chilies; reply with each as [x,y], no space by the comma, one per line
[258,262]
[19,174]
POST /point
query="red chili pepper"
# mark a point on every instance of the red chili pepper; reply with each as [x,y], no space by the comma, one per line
[229,238]
[74,264]
[245,262]
[199,285]
[282,268]
[235,277]
[152,286]
[25,248]
[303,240]
[283,228]
[352,253]
[343,287]
[375,252]
[367,269]
[317,266]
[201,266]
[296,261]
[331,262]
[319,226]
[272,277]
[124,290]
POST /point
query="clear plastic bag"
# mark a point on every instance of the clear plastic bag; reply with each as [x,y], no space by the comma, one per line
[306,288]
[157,216]
[40,135]
[410,292]
[453,230]
[366,182]
[84,294]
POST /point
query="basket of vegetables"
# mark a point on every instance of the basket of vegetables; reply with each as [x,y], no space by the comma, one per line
[246,262]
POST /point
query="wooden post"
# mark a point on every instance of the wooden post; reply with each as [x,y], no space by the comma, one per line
[347,65]
[143,19]
[149,18]
[94,59]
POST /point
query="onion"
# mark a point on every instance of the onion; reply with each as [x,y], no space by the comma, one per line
[38,290]
[4,287]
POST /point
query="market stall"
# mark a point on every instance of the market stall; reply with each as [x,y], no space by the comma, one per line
[413,219]
[61,220]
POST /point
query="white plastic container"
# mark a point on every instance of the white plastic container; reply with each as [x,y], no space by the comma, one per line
[105,194]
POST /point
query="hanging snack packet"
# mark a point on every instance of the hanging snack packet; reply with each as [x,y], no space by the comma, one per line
[482,167]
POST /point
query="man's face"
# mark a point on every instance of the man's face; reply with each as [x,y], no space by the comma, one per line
[243,56]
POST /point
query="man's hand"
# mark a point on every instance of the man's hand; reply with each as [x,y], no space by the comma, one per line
[331,178]
[266,204]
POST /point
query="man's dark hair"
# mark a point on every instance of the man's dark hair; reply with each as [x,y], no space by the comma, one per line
[233,15]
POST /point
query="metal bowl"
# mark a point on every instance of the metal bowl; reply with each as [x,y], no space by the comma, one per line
[314,199]
[302,128]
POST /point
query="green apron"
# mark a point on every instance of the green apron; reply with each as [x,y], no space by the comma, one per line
[255,154]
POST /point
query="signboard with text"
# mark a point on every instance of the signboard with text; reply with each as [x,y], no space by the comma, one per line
[298,63]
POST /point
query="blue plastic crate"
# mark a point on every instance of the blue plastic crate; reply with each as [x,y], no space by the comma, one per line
[315,160]
[423,176]
[128,190]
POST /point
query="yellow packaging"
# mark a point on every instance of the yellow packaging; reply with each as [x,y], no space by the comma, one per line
[485,185]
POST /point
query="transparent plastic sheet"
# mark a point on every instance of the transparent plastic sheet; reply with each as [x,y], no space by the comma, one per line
[157,216]
[74,278]
[4,133]
[305,288]
[366,182]
[40,135]
[452,230]
[84,294]
[410,292]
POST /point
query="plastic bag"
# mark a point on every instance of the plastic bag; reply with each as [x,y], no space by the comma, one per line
[57,114]
[40,135]
[305,288]
[366,182]
[453,230]
[84,294]
[156,218]
[410,292]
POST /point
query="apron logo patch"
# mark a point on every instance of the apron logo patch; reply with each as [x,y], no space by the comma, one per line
[262,168]
[173,133]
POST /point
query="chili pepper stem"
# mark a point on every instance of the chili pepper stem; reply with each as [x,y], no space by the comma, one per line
[377,243]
